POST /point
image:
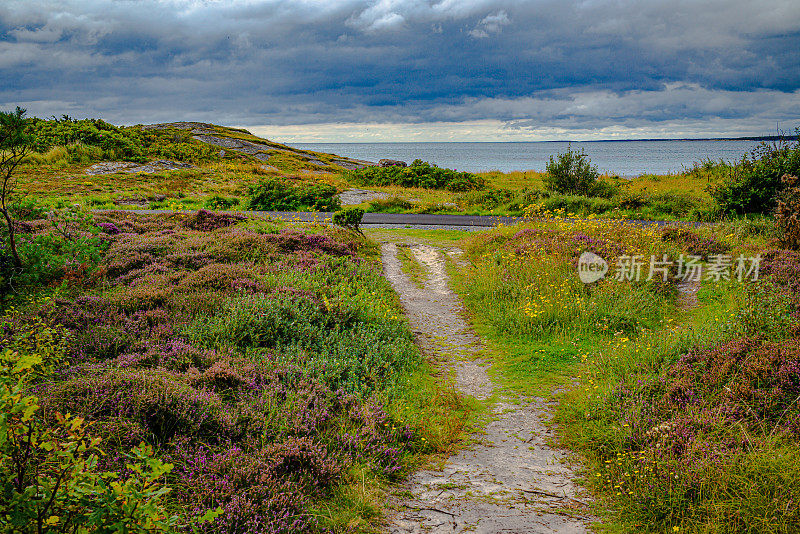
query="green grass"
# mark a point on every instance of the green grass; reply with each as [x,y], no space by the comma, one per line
[434,237]
[608,349]
[411,267]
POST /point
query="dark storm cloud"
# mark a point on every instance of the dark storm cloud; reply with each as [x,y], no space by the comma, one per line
[570,64]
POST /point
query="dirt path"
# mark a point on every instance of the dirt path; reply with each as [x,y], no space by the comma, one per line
[511,480]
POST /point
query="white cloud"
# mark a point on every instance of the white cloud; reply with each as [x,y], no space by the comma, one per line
[678,110]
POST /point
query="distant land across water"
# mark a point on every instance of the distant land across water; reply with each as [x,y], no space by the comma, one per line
[617,157]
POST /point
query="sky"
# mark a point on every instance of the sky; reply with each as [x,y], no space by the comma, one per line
[411,70]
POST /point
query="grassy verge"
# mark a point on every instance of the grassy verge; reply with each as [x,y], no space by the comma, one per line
[685,418]
[270,366]
[411,267]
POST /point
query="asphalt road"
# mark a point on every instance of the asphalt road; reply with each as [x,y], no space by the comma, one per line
[401,219]
[389,220]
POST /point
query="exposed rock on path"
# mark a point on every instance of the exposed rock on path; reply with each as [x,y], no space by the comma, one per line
[511,480]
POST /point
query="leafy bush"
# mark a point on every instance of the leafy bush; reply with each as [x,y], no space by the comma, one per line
[349,218]
[28,209]
[754,184]
[418,174]
[572,173]
[49,476]
[49,257]
[277,195]
[787,214]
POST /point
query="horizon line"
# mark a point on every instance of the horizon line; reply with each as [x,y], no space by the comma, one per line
[763,138]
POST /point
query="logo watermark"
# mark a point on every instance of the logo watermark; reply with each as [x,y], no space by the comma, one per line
[591,267]
[687,268]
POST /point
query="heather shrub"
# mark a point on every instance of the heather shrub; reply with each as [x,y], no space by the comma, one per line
[160,404]
[767,311]
[250,488]
[109,228]
[258,364]
[222,276]
[780,267]
[693,243]
[49,475]
[206,220]
[702,430]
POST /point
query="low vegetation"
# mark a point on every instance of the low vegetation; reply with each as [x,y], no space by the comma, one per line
[686,415]
[237,375]
[418,174]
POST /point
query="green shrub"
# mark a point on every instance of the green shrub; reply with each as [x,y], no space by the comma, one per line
[753,185]
[28,209]
[277,195]
[49,257]
[349,218]
[418,174]
[571,173]
[788,213]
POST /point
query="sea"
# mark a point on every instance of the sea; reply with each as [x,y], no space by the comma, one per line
[621,158]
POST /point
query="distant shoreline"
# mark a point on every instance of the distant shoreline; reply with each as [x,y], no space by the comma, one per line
[763,138]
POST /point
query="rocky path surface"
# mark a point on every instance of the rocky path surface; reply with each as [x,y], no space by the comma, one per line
[510,480]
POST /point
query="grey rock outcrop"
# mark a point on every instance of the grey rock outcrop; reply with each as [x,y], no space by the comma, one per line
[110,167]
[391,163]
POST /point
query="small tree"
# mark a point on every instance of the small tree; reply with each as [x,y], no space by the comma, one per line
[571,173]
[15,144]
[349,218]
